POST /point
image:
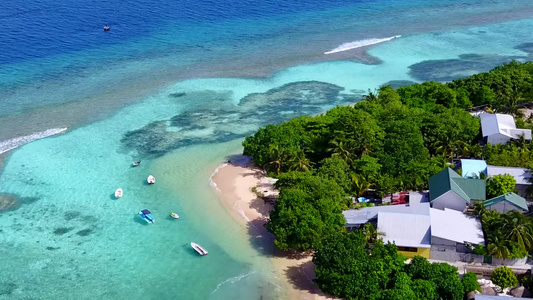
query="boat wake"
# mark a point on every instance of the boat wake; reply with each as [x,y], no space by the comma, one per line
[232,280]
[13,143]
[360,43]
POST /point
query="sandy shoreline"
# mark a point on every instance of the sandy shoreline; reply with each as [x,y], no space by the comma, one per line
[233,183]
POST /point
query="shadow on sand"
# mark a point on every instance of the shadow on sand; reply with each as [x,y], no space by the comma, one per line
[301,278]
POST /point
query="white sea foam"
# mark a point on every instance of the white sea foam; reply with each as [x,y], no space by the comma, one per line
[241,212]
[232,280]
[211,182]
[360,43]
[13,143]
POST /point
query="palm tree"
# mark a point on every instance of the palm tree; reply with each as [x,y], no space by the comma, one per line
[371,233]
[519,229]
[476,151]
[360,184]
[277,157]
[340,149]
[508,102]
[479,209]
[491,219]
[442,146]
[522,143]
[300,162]
[498,249]
[459,148]
[371,97]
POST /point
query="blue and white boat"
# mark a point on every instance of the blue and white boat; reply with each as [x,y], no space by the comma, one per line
[147,216]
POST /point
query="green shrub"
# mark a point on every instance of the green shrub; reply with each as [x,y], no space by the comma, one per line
[470,283]
[480,250]
[503,277]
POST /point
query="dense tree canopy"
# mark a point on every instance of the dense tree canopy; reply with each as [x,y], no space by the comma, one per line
[349,267]
[393,140]
[500,184]
[308,208]
[507,235]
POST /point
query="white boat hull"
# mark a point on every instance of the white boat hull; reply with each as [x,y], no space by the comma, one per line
[118,193]
[150,179]
[199,249]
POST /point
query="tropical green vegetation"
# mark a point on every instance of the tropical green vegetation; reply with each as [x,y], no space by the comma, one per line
[504,277]
[507,235]
[500,184]
[348,266]
[393,140]
[307,209]
[470,283]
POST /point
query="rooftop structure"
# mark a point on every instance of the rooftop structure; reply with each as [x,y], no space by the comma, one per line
[455,226]
[521,175]
[449,190]
[414,230]
[357,217]
[471,168]
[500,129]
[418,198]
[507,202]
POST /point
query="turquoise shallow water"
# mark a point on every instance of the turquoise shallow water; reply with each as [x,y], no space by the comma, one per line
[69,238]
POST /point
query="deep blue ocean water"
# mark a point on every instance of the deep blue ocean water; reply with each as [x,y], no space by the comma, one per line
[179,84]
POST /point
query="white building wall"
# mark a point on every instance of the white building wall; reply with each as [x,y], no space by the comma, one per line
[503,206]
[442,249]
[498,138]
[449,200]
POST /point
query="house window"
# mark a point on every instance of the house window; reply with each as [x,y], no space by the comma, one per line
[407,249]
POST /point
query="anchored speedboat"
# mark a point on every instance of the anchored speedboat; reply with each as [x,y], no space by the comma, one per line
[199,249]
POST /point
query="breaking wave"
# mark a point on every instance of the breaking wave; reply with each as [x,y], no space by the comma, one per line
[359,44]
[232,280]
[211,181]
[13,143]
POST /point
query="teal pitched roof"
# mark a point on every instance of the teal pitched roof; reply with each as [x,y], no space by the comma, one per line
[466,188]
[475,188]
[509,197]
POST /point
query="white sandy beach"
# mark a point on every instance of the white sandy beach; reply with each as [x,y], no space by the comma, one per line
[234,185]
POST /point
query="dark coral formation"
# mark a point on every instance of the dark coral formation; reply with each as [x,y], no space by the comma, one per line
[62,230]
[450,69]
[222,122]
[84,232]
[8,202]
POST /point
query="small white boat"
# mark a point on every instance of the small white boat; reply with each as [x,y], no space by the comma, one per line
[150,179]
[174,215]
[118,193]
[199,249]
[136,163]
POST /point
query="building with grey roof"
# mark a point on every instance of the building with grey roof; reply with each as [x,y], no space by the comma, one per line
[412,238]
[357,217]
[500,129]
[451,234]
